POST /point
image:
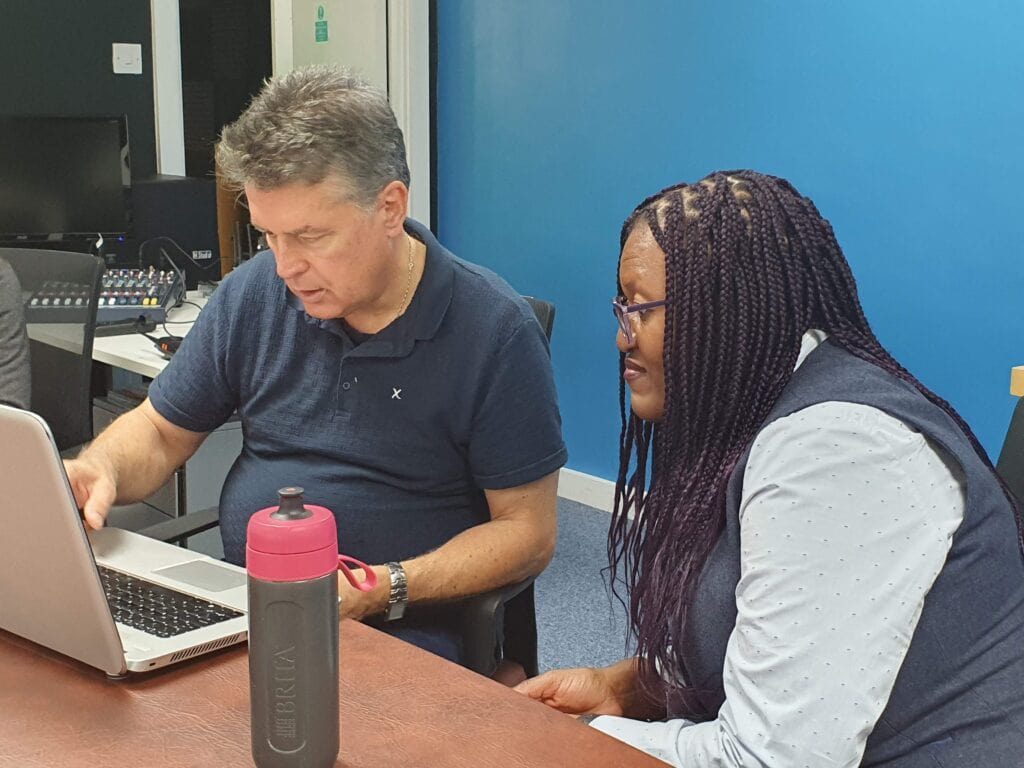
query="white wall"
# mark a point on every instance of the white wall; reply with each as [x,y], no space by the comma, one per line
[388,43]
[356,36]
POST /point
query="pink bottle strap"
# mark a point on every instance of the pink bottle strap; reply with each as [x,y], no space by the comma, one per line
[363,586]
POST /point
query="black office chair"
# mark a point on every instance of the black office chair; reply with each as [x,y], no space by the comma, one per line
[1011,458]
[60,339]
[545,312]
[501,624]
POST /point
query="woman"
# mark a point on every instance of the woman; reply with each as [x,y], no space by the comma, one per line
[825,570]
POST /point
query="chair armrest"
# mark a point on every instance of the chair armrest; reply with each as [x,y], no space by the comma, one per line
[482,624]
[180,528]
[72,452]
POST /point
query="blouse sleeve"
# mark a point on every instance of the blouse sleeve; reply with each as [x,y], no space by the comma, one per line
[846,519]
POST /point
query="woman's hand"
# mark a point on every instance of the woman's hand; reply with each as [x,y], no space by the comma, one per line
[587,691]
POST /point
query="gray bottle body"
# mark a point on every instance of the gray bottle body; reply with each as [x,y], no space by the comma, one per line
[293,672]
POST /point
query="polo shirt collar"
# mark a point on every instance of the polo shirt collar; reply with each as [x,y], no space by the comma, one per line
[421,319]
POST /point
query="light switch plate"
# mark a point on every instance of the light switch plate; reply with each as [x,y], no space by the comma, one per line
[127,58]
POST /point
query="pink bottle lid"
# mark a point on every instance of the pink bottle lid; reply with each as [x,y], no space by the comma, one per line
[292,541]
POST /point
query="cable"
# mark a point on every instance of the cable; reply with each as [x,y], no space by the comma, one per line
[181,278]
[171,241]
[174,265]
[139,325]
[165,323]
[167,345]
[181,322]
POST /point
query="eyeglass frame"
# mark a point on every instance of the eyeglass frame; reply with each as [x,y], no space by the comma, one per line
[622,311]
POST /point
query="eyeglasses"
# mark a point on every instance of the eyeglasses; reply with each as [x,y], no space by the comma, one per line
[622,312]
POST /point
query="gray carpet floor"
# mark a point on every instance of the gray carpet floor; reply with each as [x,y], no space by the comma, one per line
[579,622]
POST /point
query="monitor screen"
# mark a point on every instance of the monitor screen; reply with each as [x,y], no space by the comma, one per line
[64,176]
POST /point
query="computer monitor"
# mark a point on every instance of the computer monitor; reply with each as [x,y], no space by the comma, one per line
[64,177]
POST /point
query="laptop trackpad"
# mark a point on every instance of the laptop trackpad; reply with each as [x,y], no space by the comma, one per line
[205,575]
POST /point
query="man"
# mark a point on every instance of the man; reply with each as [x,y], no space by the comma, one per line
[15,375]
[406,390]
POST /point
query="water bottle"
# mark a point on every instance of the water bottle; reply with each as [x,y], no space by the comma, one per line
[292,559]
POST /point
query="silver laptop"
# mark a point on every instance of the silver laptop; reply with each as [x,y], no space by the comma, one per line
[112,599]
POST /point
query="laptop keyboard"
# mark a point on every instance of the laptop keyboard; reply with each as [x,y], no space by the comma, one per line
[158,610]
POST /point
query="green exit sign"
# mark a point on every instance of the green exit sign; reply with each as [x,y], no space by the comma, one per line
[320,26]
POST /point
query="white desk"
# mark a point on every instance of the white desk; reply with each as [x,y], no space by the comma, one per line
[134,352]
[130,351]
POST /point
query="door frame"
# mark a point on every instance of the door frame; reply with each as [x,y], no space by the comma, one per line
[408,25]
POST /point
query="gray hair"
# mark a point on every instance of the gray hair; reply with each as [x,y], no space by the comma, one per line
[312,124]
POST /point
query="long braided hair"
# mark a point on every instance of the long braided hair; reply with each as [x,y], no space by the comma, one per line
[750,266]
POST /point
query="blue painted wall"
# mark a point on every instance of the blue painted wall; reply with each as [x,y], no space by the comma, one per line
[904,121]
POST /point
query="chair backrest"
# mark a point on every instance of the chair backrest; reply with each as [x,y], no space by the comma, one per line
[60,342]
[1011,458]
[545,312]
[520,620]
[15,373]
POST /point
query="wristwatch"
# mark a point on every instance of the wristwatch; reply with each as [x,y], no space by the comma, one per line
[398,598]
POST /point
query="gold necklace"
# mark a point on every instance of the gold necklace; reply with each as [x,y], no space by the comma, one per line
[408,281]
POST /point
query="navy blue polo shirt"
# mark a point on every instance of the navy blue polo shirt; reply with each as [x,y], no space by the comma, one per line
[398,435]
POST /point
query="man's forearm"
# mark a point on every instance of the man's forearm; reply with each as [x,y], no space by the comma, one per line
[515,544]
[480,559]
[139,457]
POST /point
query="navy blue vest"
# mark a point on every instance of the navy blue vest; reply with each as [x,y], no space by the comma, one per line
[958,699]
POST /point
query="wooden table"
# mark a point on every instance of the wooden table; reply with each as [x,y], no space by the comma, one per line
[400,706]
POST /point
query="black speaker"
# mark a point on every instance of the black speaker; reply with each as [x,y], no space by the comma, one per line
[177,216]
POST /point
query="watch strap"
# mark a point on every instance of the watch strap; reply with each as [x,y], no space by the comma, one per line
[398,597]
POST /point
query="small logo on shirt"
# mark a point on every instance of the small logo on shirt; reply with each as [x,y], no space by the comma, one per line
[396,393]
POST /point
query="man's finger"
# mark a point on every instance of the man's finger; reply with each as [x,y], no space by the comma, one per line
[79,491]
[101,498]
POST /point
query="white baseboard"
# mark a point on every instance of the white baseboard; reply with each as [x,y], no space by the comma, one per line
[587,489]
